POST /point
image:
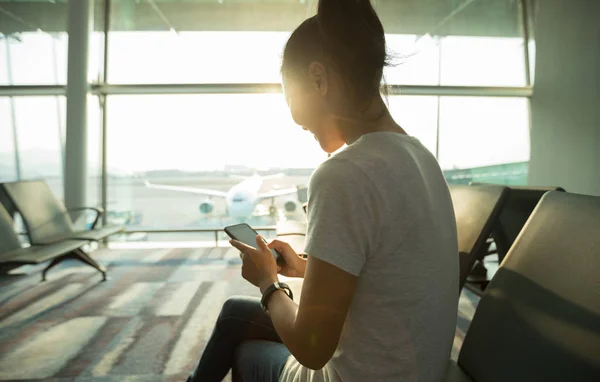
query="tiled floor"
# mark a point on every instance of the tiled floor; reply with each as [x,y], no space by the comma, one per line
[148,322]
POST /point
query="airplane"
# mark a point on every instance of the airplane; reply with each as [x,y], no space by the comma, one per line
[241,199]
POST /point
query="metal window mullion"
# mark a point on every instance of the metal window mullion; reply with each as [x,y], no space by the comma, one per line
[13,113]
[525,26]
[32,90]
[58,109]
[102,99]
[158,89]
[424,90]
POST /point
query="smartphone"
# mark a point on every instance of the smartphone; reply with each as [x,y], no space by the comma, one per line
[247,235]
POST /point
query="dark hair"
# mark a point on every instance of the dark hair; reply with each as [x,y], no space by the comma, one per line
[346,35]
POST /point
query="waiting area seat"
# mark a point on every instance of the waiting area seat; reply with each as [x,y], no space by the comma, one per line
[13,254]
[519,205]
[46,218]
[476,209]
[539,319]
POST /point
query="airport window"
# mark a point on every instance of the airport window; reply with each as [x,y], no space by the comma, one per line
[482,61]
[200,42]
[243,57]
[418,116]
[214,141]
[39,125]
[39,136]
[36,58]
[455,61]
[482,131]
[453,43]
[195,57]
[196,142]
[33,41]
[3,61]
[96,57]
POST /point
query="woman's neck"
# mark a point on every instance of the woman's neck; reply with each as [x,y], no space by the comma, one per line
[377,118]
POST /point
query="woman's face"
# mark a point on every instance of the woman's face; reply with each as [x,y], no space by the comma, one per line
[307,98]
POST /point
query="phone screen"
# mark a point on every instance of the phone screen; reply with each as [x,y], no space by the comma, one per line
[244,233]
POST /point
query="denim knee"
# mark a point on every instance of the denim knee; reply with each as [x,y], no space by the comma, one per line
[232,306]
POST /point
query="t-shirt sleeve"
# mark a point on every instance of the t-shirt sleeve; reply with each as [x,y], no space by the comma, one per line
[344,215]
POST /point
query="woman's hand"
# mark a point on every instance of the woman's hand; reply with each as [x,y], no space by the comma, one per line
[294,265]
[258,265]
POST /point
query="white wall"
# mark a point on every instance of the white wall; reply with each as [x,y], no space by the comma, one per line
[565,136]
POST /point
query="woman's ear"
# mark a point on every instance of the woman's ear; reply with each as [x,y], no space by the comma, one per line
[318,76]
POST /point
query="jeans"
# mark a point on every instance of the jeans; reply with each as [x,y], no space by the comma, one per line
[245,341]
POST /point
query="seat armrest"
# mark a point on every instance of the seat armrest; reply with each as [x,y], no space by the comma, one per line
[99,212]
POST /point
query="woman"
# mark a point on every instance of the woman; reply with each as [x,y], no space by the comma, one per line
[379,297]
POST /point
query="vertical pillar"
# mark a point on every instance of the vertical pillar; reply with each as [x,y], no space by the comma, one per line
[75,172]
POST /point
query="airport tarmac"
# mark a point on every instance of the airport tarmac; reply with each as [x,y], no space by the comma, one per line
[131,203]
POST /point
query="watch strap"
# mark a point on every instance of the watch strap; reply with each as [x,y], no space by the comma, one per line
[264,301]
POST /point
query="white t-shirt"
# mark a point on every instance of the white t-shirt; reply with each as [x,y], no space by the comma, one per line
[381,210]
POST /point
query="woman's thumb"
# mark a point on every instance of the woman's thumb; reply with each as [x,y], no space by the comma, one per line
[262,243]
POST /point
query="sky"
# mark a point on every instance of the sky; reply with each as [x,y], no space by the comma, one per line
[203,132]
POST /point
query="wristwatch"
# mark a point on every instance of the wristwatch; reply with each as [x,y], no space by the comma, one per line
[264,301]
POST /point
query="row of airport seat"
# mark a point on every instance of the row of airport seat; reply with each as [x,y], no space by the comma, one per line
[486,215]
[50,229]
[539,317]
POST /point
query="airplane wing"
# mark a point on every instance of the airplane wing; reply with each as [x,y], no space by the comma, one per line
[274,176]
[190,190]
[239,177]
[263,177]
[276,193]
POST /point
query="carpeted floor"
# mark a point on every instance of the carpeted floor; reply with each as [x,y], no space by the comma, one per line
[148,322]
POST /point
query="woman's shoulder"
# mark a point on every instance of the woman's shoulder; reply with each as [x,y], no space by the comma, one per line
[337,171]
